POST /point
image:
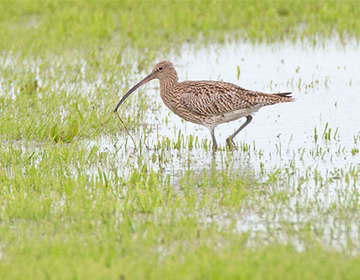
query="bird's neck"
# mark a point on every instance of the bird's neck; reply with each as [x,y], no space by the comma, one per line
[168,92]
[166,85]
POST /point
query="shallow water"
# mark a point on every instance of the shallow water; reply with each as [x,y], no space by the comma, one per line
[279,149]
[324,80]
[281,138]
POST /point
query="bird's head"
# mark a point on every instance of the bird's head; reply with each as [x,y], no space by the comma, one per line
[163,71]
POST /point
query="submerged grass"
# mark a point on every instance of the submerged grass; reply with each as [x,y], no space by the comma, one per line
[71,208]
[80,219]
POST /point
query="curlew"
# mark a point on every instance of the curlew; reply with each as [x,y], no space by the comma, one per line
[208,103]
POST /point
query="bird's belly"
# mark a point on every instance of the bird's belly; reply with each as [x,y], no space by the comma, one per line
[234,115]
[188,116]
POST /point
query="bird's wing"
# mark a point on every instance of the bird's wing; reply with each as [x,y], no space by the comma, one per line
[220,98]
[215,98]
[214,104]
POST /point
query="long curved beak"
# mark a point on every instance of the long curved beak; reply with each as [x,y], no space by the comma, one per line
[143,81]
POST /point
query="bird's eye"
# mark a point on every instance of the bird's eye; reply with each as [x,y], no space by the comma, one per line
[161,68]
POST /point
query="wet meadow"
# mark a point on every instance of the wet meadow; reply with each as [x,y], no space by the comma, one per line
[78,200]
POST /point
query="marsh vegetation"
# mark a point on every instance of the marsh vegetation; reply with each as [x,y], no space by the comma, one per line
[79,202]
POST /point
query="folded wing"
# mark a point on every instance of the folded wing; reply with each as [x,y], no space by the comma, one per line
[219,98]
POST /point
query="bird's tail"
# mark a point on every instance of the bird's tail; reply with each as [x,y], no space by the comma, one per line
[284,94]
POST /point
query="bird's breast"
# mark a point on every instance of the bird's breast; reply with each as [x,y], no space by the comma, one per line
[173,102]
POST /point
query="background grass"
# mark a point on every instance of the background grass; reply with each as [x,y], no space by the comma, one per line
[41,27]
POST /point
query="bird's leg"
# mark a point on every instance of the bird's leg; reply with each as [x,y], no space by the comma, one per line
[229,141]
[212,132]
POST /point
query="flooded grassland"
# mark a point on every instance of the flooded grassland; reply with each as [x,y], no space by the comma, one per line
[291,181]
[79,200]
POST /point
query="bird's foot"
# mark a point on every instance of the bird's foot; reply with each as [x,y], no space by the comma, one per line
[230,143]
[215,147]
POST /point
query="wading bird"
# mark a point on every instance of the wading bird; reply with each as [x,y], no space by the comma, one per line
[208,103]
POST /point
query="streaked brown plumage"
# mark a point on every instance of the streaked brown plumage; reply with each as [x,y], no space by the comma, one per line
[208,103]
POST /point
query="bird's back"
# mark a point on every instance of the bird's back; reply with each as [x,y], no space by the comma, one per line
[216,98]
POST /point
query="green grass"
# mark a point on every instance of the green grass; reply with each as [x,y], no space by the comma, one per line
[112,261]
[72,209]
[42,27]
[79,219]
